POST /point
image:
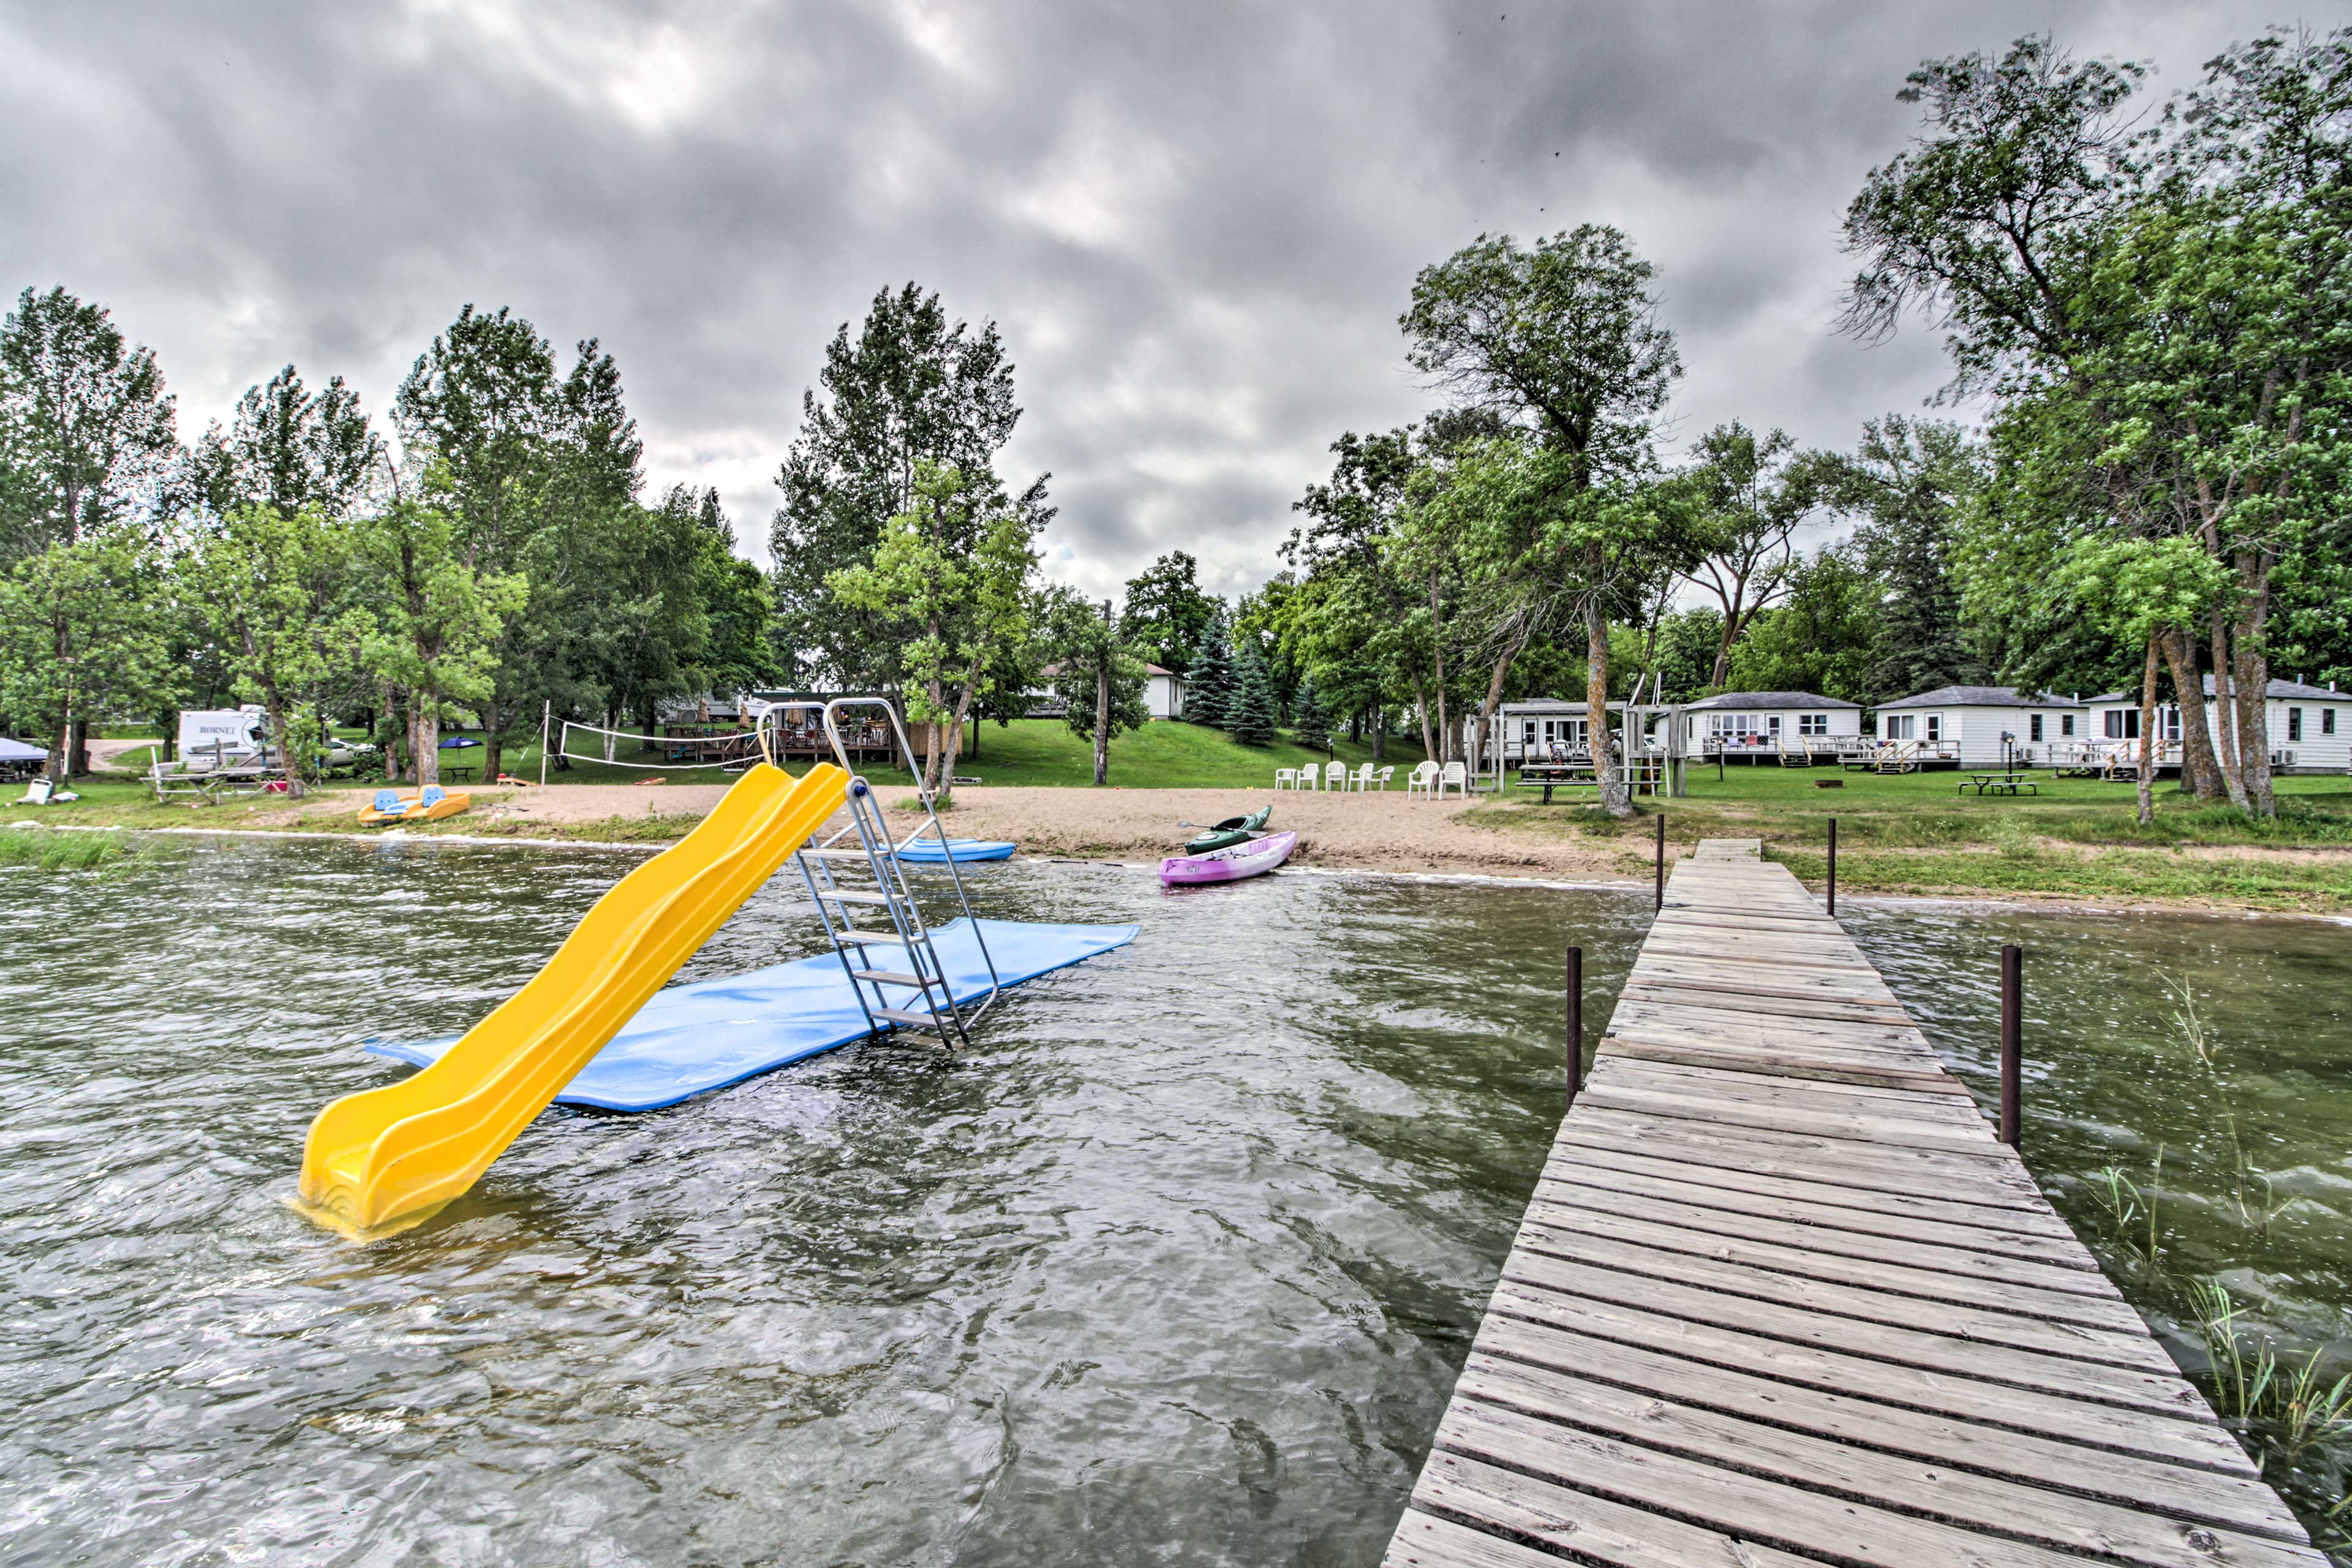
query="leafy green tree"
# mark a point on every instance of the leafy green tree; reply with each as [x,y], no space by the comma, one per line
[2169,292]
[1252,718]
[1756,490]
[87,434]
[2137,589]
[1563,339]
[1166,613]
[483,410]
[1357,606]
[909,387]
[1209,693]
[277,592]
[1908,481]
[1097,677]
[956,565]
[735,601]
[79,633]
[289,449]
[437,617]
[1312,727]
[1819,638]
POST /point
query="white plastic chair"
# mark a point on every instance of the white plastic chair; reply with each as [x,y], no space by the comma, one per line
[1456,776]
[1419,781]
[1362,779]
[1286,778]
[1381,779]
[1335,776]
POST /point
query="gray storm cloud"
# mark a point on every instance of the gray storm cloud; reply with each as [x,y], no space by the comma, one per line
[1195,224]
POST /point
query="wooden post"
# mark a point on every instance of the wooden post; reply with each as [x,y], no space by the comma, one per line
[546,717]
[1832,890]
[2012,1050]
[1575,1024]
[1662,861]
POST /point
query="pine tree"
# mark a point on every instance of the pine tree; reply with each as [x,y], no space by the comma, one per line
[1313,728]
[1211,687]
[1250,718]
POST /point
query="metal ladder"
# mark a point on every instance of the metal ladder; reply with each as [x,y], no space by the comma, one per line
[876,880]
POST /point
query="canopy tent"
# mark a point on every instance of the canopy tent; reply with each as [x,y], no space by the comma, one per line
[17,751]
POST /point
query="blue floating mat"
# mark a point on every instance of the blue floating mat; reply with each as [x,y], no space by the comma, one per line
[690,1039]
[930,851]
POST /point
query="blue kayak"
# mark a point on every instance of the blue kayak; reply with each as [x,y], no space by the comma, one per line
[930,851]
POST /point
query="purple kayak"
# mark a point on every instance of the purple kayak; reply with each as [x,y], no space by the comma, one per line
[1259,855]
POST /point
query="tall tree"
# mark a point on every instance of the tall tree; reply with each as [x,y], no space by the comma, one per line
[86,435]
[1563,338]
[2172,290]
[957,566]
[277,591]
[1907,481]
[81,632]
[1755,490]
[1252,718]
[1313,725]
[289,449]
[437,616]
[1209,694]
[1166,613]
[483,411]
[1357,598]
[1097,677]
[1819,638]
[911,387]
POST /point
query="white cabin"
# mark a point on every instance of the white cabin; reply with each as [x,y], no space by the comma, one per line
[1164,694]
[1985,726]
[2310,726]
[1768,726]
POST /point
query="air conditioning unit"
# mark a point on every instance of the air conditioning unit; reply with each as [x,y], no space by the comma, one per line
[2282,759]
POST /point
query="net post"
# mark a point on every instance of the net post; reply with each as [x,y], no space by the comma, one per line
[546,717]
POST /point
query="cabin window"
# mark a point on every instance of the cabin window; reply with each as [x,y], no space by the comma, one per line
[2065,723]
[1935,726]
[2294,723]
[1812,724]
[2172,724]
[2122,723]
[2033,728]
[1526,734]
[1898,726]
[2327,721]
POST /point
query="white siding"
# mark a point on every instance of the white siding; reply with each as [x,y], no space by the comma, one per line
[2317,751]
[1164,696]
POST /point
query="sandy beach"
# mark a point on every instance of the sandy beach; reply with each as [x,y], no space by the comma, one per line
[1384,832]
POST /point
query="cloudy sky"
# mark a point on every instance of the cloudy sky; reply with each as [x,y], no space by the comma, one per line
[1194,223]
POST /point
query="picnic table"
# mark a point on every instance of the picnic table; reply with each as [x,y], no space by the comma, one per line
[1999,782]
[462,772]
[1550,776]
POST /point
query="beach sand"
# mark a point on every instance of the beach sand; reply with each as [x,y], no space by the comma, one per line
[1381,831]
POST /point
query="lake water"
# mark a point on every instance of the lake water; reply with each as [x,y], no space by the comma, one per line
[1177,1266]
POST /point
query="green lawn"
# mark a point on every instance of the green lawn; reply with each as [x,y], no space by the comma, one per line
[1916,833]
[1167,754]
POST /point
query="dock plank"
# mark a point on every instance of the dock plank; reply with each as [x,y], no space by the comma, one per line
[1780,1297]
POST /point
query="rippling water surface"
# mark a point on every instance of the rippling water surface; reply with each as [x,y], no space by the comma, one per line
[1177,1266]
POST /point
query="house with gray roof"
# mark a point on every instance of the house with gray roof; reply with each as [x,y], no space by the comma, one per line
[1982,726]
[1768,726]
[2310,727]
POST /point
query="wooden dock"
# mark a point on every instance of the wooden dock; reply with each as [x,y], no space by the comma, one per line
[1781,1298]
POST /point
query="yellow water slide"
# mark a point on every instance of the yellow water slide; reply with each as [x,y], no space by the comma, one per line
[394,1154]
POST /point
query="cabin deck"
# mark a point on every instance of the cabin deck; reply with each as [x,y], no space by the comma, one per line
[1781,1298]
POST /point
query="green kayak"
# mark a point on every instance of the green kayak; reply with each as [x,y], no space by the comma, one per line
[1233,830]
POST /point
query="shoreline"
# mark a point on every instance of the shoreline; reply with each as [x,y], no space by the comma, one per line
[2056,903]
